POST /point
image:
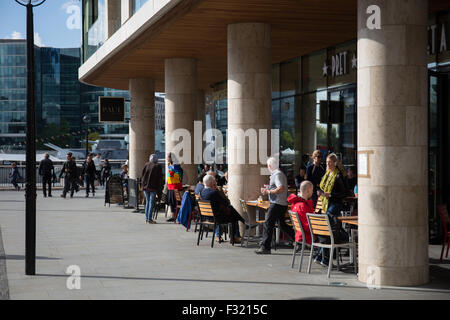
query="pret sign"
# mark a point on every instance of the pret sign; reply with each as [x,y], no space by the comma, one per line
[111,109]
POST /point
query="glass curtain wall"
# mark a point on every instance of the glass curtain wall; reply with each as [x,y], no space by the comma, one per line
[299,87]
[13,95]
[94,34]
[137,4]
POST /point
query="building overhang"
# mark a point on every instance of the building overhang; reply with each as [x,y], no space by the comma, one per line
[198,29]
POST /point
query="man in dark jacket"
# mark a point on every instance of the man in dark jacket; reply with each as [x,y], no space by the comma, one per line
[89,174]
[314,173]
[69,170]
[46,170]
[151,179]
[222,209]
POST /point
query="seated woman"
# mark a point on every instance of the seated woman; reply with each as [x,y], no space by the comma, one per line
[223,211]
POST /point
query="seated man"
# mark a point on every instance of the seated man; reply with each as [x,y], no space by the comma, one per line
[223,211]
[199,187]
[303,205]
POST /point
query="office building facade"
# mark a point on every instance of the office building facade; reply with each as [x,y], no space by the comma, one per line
[61,100]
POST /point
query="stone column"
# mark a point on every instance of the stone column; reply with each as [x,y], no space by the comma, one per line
[181,110]
[142,124]
[392,126]
[249,104]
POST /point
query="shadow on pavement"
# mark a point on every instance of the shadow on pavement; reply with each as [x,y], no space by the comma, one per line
[21,257]
[364,287]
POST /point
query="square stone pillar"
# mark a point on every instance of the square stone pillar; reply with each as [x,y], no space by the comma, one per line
[392,142]
[142,124]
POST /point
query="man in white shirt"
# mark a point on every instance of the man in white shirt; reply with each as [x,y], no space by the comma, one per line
[277,192]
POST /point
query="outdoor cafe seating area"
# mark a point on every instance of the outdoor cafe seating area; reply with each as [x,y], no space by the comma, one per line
[201,222]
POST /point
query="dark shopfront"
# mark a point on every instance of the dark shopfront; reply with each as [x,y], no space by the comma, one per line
[438,120]
[439,144]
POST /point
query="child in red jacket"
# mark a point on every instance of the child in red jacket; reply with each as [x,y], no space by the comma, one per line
[302,205]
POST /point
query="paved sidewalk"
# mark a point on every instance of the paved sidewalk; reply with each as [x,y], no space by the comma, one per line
[121,257]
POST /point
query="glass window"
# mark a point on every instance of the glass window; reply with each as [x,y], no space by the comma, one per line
[137,4]
[312,71]
[321,128]
[342,135]
[290,73]
[276,81]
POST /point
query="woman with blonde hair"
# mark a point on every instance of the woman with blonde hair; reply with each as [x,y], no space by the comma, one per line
[332,191]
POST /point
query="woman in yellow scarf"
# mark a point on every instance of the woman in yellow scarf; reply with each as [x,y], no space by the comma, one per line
[332,187]
[332,193]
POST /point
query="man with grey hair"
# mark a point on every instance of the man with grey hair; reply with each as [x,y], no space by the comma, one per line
[222,209]
[46,170]
[277,192]
[151,179]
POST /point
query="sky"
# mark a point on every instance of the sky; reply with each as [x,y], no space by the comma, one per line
[57,23]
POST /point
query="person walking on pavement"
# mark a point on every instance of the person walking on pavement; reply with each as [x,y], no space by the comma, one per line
[69,170]
[46,170]
[89,174]
[14,176]
[98,168]
[151,178]
[106,172]
[277,191]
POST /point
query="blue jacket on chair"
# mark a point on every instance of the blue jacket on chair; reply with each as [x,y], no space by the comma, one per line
[185,210]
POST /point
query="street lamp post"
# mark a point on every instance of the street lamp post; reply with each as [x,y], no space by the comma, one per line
[30,191]
[87,119]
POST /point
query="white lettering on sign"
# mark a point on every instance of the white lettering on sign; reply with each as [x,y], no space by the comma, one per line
[443,46]
[436,41]
[339,64]
[373,21]
[433,38]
